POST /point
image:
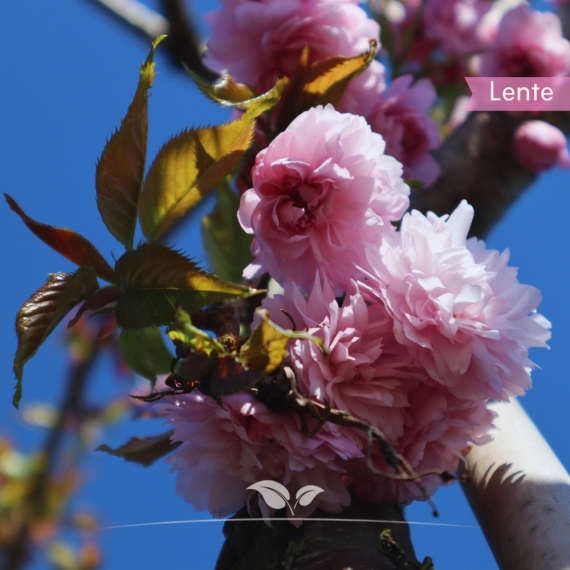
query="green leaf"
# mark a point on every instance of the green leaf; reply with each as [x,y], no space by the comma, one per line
[145,352]
[228,93]
[156,280]
[144,450]
[66,242]
[190,165]
[227,245]
[120,170]
[44,310]
[266,348]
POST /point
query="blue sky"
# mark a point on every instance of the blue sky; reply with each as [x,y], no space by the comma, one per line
[68,74]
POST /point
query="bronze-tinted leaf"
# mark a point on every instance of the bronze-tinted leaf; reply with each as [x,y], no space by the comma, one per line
[145,352]
[190,165]
[156,280]
[120,170]
[227,245]
[66,242]
[100,299]
[228,93]
[144,450]
[44,310]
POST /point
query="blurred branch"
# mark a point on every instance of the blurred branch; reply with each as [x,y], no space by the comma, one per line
[478,166]
[183,42]
[16,553]
[136,16]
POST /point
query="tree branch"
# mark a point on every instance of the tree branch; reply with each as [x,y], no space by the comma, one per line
[478,166]
[183,42]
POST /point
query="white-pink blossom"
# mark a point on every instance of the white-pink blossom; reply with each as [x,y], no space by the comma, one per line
[371,376]
[456,24]
[366,371]
[323,192]
[539,146]
[400,113]
[225,448]
[528,43]
[440,429]
[258,42]
[459,307]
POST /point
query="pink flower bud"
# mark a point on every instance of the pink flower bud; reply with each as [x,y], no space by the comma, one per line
[539,146]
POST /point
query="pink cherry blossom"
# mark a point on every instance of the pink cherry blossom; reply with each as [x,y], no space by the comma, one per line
[323,192]
[401,117]
[366,373]
[258,42]
[225,448]
[528,43]
[456,24]
[459,308]
[441,428]
[540,146]
[371,376]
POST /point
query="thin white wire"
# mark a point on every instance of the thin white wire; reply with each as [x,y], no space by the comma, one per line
[138,525]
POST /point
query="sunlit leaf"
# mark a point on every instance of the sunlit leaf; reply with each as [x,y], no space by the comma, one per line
[100,299]
[190,165]
[327,80]
[144,450]
[321,83]
[120,170]
[145,352]
[44,310]
[266,348]
[191,337]
[227,245]
[156,280]
[228,93]
[66,242]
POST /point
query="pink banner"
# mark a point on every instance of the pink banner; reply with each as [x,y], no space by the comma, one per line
[519,93]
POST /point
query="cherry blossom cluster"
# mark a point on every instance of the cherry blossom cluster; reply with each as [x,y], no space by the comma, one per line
[257,42]
[422,325]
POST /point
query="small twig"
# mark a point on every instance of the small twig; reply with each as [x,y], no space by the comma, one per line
[285,383]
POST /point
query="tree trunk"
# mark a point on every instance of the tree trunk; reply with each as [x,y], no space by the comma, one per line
[319,545]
